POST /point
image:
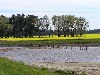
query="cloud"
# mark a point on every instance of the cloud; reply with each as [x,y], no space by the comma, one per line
[29,4]
[89,9]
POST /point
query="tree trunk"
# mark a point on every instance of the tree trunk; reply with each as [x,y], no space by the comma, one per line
[58,33]
[64,32]
[49,33]
[67,32]
[39,34]
[72,33]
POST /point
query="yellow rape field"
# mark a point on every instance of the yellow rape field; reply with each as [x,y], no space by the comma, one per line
[86,36]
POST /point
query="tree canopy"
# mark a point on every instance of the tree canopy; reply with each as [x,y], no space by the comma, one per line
[21,25]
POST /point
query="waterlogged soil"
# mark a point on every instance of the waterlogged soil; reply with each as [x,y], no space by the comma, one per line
[65,54]
[67,57]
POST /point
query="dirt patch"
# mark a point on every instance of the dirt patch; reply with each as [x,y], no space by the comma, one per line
[90,68]
[6,49]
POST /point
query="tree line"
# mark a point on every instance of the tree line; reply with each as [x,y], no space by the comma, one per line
[95,31]
[21,25]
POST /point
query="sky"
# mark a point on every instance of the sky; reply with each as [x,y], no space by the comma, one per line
[89,9]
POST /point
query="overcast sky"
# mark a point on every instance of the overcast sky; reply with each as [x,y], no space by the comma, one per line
[89,9]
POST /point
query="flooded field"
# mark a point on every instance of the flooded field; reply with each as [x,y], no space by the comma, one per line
[76,58]
[63,54]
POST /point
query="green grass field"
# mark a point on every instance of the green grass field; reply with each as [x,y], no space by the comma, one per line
[8,67]
[85,39]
